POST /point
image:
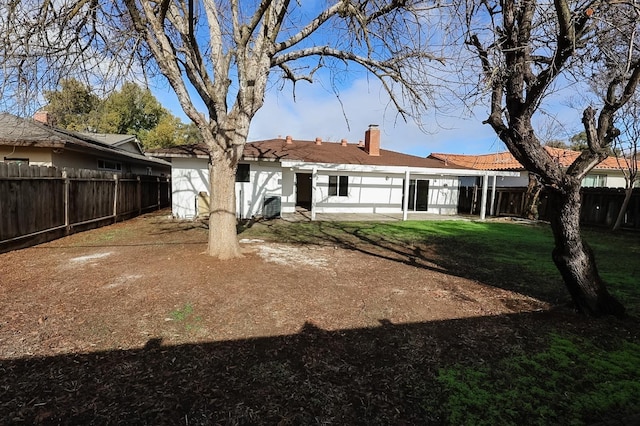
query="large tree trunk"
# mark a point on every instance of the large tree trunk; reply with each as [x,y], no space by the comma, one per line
[623,210]
[223,241]
[574,258]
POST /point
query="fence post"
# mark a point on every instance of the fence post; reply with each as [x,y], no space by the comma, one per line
[115,197]
[65,201]
[139,195]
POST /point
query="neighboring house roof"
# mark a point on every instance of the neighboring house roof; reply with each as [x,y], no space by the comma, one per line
[311,152]
[506,161]
[16,131]
[126,142]
[181,151]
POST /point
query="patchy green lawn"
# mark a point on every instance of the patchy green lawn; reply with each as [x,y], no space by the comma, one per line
[586,377]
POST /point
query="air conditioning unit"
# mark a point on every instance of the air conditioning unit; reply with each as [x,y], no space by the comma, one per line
[271,207]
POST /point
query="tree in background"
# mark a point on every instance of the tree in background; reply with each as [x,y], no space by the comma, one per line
[130,110]
[526,50]
[579,142]
[224,54]
[72,105]
[168,132]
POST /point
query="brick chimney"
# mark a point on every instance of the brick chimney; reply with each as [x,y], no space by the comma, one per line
[289,140]
[372,140]
[318,141]
[43,117]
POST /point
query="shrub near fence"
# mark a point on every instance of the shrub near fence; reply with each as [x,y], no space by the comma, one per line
[600,206]
[39,204]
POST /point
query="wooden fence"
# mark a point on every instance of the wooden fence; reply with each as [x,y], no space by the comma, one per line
[600,206]
[40,204]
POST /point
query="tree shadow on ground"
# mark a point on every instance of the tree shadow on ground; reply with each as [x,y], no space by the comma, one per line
[446,255]
[381,375]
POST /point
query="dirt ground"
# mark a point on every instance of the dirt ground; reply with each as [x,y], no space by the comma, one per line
[133,324]
[122,285]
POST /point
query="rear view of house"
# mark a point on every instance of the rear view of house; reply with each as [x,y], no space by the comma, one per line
[281,175]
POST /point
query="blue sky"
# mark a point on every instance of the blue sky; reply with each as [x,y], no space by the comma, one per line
[316,112]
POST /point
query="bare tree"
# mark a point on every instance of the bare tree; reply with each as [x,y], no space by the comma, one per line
[223,54]
[528,49]
[626,153]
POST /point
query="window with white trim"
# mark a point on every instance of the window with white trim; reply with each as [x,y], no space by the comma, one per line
[243,173]
[339,186]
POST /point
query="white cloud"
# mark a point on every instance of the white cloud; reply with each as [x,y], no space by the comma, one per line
[317,112]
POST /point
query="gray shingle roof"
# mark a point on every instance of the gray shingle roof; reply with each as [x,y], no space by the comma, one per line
[309,151]
[16,131]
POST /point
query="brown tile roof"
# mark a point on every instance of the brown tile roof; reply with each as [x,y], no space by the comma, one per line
[495,161]
[506,161]
[309,151]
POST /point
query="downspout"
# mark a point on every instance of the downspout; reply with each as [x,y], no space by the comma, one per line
[405,199]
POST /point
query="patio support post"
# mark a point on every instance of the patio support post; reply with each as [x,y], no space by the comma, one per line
[492,210]
[405,199]
[483,205]
[314,184]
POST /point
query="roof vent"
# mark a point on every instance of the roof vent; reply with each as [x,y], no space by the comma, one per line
[289,140]
[318,141]
[343,142]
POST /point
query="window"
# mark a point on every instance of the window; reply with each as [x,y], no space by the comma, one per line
[594,181]
[242,173]
[16,160]
[339,185]
[113,166]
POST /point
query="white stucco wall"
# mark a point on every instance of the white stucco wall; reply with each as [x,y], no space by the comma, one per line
[614,179]
[382,193]
[189,176]
[266,179]
[367,192]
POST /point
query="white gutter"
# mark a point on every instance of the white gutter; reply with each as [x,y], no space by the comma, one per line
[367,168]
